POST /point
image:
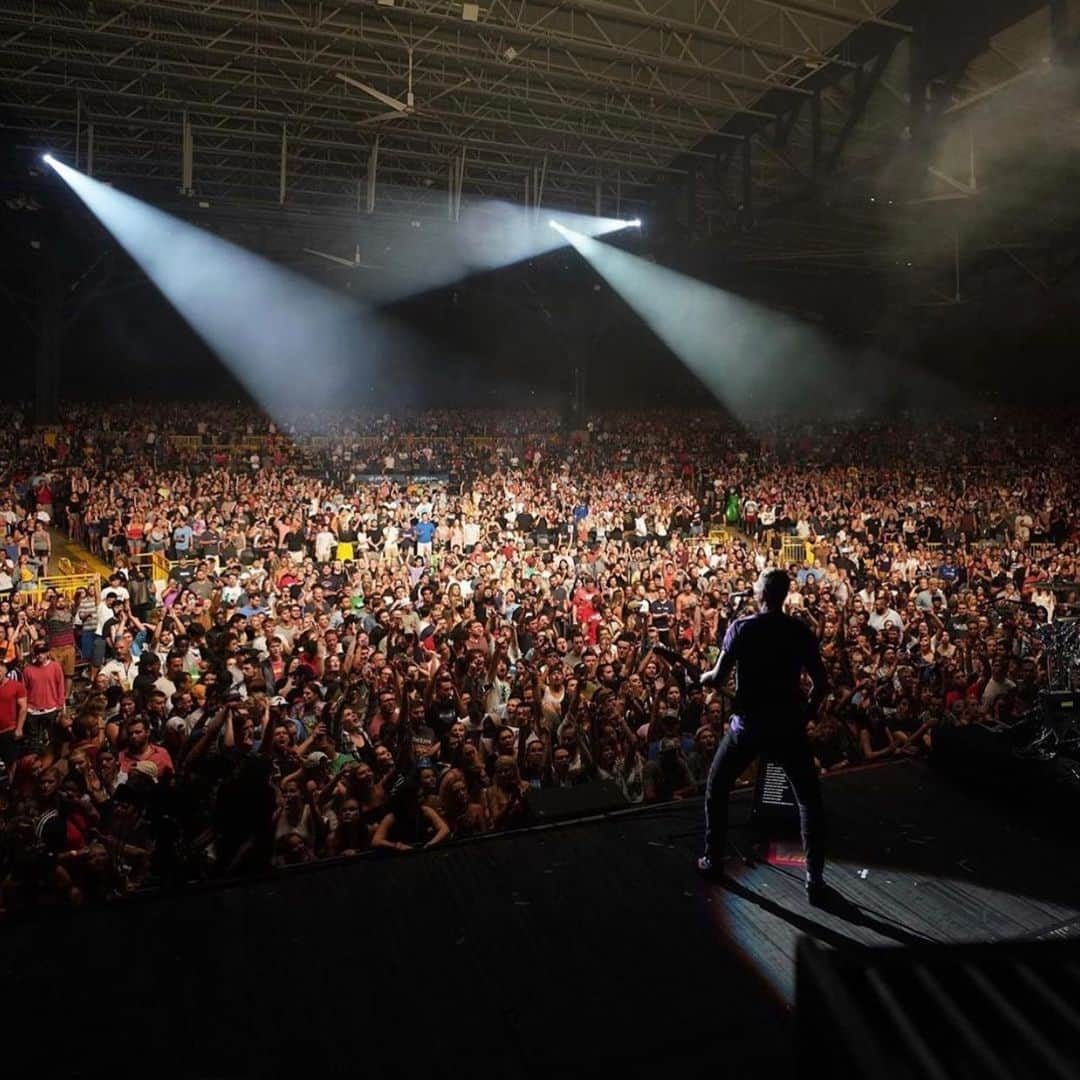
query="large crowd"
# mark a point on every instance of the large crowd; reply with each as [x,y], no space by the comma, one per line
[380,633]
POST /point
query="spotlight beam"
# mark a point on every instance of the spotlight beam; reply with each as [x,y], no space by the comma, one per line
[760,362]
[738,351]
[292,343]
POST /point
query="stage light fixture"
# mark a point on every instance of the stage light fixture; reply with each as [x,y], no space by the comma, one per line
[48,159]
[634,223]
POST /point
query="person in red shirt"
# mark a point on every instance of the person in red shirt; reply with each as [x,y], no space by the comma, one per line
[140,748]
[45,695]
[12,715]
[44,498]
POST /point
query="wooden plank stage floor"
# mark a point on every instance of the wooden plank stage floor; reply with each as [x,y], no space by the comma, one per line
[571,951]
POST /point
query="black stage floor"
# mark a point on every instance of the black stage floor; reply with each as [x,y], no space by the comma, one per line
[570,951]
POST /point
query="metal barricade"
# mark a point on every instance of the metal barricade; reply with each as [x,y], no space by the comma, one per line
[152,562]
[794,550]
[65,584]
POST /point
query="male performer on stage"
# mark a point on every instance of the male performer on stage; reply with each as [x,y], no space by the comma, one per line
[769,651]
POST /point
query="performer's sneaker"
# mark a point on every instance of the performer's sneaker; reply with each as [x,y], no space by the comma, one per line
[816,891]
[711,866]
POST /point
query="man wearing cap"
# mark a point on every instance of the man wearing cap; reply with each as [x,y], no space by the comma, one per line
[45,695]
[769,652]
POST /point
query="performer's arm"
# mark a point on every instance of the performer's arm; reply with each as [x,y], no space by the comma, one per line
[719,674]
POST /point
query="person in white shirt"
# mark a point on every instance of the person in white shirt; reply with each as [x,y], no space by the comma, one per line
[1024,521]
[123,670]
[231,591]
[999,683]
[883,616]
[1044,598]
[325,543]
[103,614]
[115,590]
[390,533]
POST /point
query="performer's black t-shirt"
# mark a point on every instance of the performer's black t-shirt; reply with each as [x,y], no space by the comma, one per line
[771,651]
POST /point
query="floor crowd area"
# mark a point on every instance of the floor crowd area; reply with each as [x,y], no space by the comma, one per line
[343,635]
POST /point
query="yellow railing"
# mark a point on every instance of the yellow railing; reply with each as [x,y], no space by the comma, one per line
[154,562]
[186,442]
[792,549]
[66,584]
[798,551]
[260,443]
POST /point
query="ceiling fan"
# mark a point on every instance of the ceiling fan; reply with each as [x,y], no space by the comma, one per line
[398,108]
[350,264]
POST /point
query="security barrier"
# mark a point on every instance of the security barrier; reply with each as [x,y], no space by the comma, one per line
[66,584]
[153,562]
[792,549]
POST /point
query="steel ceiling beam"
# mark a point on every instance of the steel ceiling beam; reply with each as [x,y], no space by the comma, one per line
[847,17]
[592,85]
[513,81]
[413,133]
[621,137]
[640,17]
[413,13]
[247,139]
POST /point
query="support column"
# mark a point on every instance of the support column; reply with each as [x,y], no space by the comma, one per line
[456,182]
[460,184]
[187,157]
[283,181]
[90,148]
[691,201]
[748,176]
[539,179]
[372,173]
[815,135]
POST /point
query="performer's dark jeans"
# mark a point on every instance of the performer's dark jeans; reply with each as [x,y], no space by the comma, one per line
[791,751]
